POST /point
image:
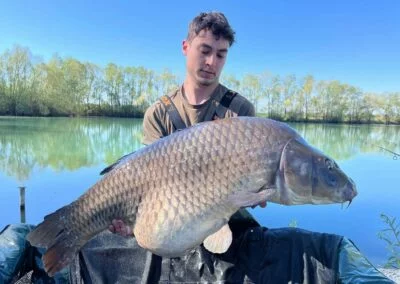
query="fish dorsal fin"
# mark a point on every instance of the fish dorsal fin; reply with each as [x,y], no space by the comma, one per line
[114,165]
[220,241]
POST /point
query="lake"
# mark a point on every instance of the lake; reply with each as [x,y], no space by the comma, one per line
[57,159]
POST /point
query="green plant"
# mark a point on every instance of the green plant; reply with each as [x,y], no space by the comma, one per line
[293,223]
[391,235]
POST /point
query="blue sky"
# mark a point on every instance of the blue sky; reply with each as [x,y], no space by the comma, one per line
[357,42]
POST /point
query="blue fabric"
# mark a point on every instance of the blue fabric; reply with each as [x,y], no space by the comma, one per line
[13,249]
[258,255]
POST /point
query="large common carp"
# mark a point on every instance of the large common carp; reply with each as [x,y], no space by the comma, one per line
[181,190]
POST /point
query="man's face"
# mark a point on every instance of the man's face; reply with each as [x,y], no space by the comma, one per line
[205,57]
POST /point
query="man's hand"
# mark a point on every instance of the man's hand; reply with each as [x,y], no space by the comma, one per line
[262,205]
[119,227]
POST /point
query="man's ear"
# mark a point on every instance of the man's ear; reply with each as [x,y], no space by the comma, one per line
[185,46]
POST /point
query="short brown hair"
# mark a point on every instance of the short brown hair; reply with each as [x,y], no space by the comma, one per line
[216,22]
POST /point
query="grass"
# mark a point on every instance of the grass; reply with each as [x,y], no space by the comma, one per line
[391,236]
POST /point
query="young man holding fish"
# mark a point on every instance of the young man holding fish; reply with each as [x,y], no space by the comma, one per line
[254,254]
[201,97]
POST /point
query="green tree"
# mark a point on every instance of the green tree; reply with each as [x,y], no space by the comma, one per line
[230,81]
[275,98]
[114,83]
[391,103]
[289,90]
[333,100]
[75,86]
[18,69]
[306,93]
[38,101]
[95,85]
[3,85]
[145,84]
[355,102]
[165,83]
[251,88]
[266,81]
[130,84]
[368,107]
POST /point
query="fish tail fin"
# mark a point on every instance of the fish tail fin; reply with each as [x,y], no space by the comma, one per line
[59,255]
[57,235]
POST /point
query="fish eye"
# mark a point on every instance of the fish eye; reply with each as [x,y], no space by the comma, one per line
[329,164]
[331,180]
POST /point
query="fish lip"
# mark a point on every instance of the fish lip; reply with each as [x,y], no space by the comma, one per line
[350,192]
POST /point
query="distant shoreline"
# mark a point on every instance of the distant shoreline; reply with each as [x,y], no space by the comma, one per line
[259,115]
[69,87]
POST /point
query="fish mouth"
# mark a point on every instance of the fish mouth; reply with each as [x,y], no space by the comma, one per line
[349,192]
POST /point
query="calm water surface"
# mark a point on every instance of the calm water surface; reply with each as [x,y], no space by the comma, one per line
[57,159]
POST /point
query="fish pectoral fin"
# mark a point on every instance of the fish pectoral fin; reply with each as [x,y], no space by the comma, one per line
[220,241]
[246,198]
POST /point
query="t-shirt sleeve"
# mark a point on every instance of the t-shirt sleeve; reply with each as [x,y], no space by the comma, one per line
[247,110]
[246,107]
[152,125]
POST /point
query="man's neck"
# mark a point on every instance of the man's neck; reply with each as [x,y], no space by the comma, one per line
[197,95]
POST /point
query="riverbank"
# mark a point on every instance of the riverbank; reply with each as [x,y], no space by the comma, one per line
[140,114]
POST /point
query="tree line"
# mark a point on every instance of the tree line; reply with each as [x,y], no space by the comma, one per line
[69,87]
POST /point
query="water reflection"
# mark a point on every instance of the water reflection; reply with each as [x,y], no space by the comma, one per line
[63,144]
[73,143]
[342,141]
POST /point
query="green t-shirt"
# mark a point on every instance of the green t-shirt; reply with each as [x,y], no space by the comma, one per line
[157,123]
